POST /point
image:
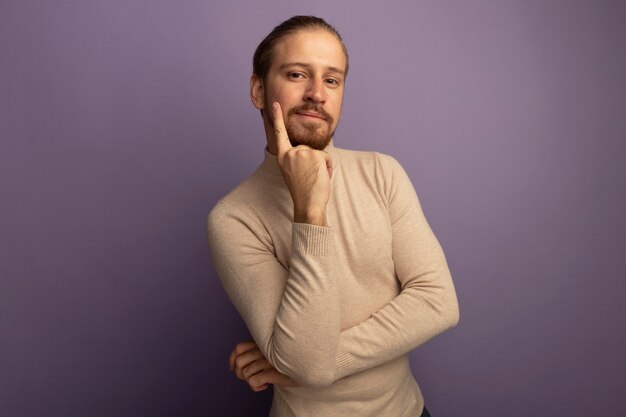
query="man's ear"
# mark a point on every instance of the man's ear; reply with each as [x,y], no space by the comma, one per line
[257,92]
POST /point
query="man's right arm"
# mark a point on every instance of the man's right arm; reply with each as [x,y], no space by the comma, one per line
[293,314]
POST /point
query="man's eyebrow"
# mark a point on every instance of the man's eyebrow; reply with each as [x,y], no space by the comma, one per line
[301,64]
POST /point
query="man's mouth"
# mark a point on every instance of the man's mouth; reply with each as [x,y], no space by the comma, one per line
[311,114]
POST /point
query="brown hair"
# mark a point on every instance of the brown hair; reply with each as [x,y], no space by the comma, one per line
[263,55]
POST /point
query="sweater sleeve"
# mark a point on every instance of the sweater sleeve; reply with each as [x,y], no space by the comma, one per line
[292,311]
[427,303]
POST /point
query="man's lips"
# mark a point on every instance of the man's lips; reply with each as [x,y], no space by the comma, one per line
[311,114]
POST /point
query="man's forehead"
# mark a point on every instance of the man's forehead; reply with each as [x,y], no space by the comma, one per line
[311,47]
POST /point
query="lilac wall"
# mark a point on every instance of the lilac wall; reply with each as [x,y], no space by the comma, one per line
[122,122]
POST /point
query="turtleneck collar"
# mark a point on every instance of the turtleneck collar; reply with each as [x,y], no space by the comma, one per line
[269,166]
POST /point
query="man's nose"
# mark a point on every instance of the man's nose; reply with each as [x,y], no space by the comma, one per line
[316,91]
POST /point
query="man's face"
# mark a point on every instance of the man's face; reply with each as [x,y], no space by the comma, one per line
[307,79]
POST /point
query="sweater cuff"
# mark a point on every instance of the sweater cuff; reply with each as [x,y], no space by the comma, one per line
[311,239]
[342,364]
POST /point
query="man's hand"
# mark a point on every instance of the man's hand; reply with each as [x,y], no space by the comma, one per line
[307,173]
[249,364]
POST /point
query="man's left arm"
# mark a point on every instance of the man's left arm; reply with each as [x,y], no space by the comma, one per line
[426,305]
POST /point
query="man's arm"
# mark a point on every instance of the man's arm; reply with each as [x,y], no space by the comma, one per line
[293,314]
[427,304]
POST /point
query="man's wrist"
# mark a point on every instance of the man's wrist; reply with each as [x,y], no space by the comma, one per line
[311,216]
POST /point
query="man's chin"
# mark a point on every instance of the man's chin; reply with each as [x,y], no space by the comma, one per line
[315,143]
[316,140]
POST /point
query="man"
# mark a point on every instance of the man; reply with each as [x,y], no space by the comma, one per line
[325,252]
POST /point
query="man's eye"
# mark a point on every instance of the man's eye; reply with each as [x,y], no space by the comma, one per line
[294,75]
[332,81]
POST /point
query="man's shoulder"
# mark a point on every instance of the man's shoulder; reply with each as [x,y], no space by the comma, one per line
[378,161]
[241,195]
[250,200]
[240,217]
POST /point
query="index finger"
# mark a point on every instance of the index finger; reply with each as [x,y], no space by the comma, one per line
[280,131]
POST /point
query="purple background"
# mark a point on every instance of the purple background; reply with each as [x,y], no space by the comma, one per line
[122,123]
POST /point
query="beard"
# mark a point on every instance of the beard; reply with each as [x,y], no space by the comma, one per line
[314,134]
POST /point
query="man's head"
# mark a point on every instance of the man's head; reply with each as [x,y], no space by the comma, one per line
[302,64]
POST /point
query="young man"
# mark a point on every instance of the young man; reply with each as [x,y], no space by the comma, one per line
[325,252]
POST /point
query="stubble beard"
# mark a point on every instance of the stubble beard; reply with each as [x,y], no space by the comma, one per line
[313,134]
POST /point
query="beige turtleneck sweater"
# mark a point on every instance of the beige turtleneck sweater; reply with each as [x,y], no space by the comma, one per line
[336,308]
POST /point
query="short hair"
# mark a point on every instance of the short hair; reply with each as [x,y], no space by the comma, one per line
[264,53]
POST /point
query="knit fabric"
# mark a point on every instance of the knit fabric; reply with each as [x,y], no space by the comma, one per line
[336,308]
